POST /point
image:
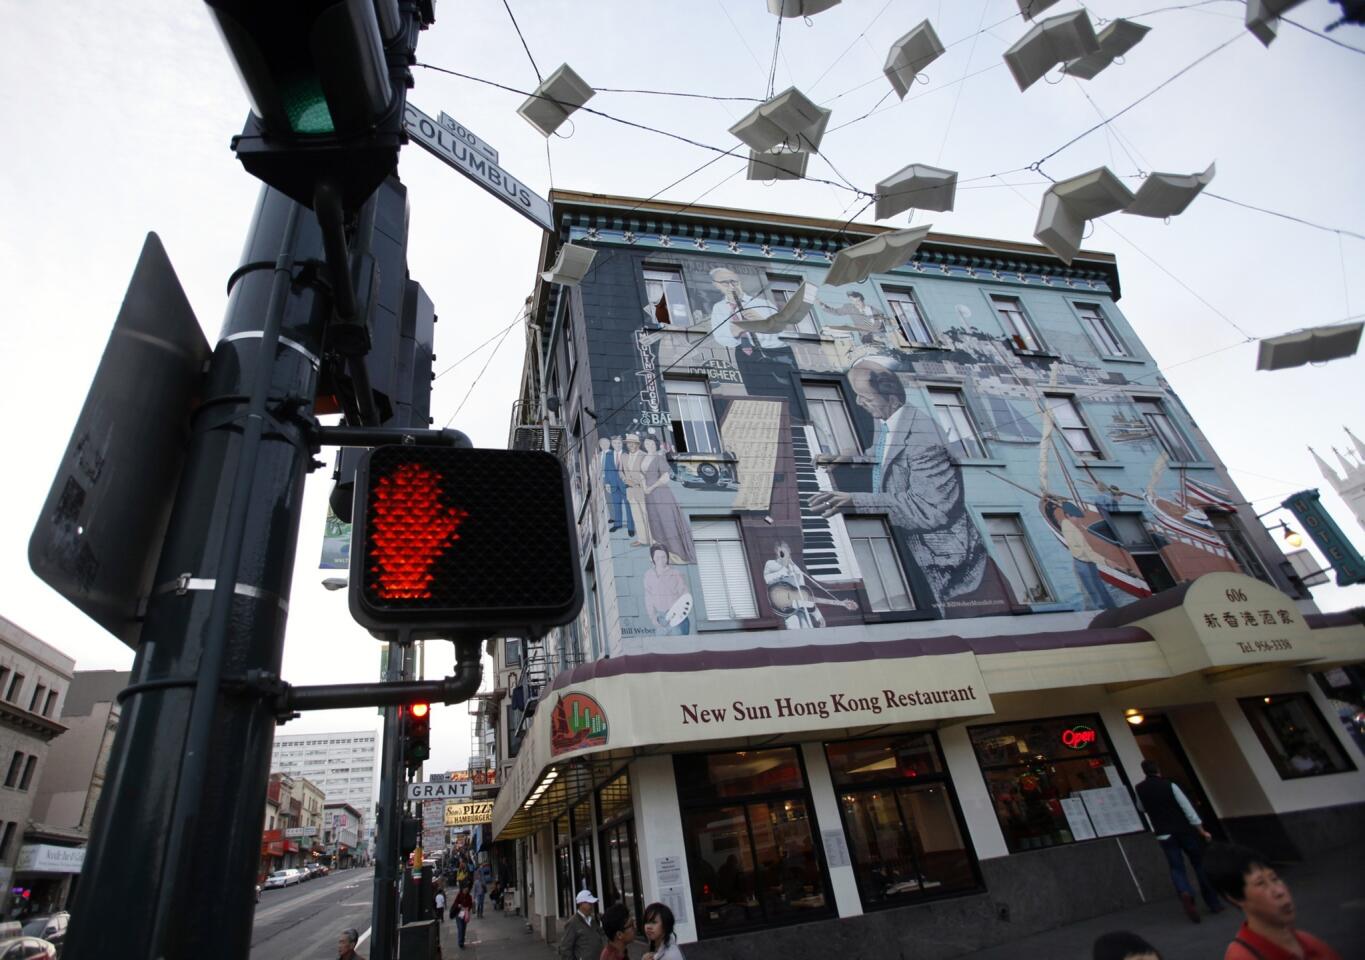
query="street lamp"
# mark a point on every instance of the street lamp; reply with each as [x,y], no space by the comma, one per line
[336,583]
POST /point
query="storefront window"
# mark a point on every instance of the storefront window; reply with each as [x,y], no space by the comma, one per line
[1054,781]
[620,862]
[1294,736]
[750,835]
[585,877]
[904,832]
[564,866]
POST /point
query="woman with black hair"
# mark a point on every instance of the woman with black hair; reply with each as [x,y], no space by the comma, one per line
[663,943]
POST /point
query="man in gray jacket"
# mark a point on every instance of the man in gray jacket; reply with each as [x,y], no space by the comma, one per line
[582,938]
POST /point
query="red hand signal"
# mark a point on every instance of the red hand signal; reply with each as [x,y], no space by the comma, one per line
[411,527]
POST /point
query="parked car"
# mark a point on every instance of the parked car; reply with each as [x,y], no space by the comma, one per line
[314,870]
[280,878]
[51,928]
[27,948]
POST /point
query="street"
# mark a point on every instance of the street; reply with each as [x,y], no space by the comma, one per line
[303,921]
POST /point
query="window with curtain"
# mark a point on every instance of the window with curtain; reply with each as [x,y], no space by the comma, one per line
[955,420]
[726,587]
[1164,429]
[1017,325]
[692,417]
[667,296]
[883,578]
[1066,414]
[829,415]
[906,309]
[1015,558]
[1100,330]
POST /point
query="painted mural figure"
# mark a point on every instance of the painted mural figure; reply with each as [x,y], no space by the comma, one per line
[668,601]
[917,484]
[631,463]
[789,592]
[1066,518]
[740,320]
[667,524]
[620,512]
[869,324]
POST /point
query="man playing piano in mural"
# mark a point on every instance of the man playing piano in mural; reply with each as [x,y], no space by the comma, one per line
[916,483]
[744,322]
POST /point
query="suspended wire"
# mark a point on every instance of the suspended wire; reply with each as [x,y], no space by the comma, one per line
[1108,127]
[772,68]
[1322,36]
[1339,231]
[1146,96]
[515,321]
[734,29]
[506,330]
[841,56]
[638,126]
[971,52]
[671,93]
[517,27]
[918,96]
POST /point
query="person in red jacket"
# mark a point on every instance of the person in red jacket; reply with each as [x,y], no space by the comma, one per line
[460,908]
[1249,882]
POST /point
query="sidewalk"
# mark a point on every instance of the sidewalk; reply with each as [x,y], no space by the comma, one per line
[497,936]
[1328,893]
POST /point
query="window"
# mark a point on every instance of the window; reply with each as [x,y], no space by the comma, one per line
[1066,414]
[5,837]
[1103,335]
[15,765]
[1131,533]
[51,702]
[883,578]
[620,861]
[1017,326]
[16,684]
[904,832]
[29,764]
[829,415]
[1231,534]
[564,866]
[1054,781]
[578,481]
[593,610]
[511,651]
[36,700]
[726,588]
[955,420]
[1015,559]
[1294,737]
[1159,422]
[692,417]
[783,289]
[750,840]
[910,318]
[667,296]
[4,676]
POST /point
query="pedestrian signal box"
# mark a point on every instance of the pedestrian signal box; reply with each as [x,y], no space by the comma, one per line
[449,542]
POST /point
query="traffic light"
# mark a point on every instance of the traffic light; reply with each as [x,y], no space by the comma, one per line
[449,542]
[416,735]
[326,98]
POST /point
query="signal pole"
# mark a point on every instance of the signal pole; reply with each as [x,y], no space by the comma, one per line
[190,761]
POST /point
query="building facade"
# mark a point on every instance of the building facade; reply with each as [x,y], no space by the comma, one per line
[35,868]
[1350,483]
[343,833]
[886,600]
[344,765]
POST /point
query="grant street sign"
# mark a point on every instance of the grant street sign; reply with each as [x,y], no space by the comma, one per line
[458,153]
[439,790]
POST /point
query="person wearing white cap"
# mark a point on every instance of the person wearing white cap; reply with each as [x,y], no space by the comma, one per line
[582,938]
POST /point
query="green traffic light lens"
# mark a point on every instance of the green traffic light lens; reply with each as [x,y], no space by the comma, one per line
[306,106]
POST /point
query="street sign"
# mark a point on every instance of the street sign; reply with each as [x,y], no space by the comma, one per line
[456,152]
[469,814]
[467,135]
[438,791]
[301,831]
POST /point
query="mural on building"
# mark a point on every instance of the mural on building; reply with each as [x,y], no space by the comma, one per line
[806,475]
[577,721]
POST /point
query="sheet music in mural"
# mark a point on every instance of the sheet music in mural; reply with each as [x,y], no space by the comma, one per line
[750,432]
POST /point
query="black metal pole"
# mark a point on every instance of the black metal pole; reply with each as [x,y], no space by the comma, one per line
[179,820]
[387,868]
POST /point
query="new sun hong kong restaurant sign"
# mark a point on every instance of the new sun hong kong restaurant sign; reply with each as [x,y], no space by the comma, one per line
[826,708]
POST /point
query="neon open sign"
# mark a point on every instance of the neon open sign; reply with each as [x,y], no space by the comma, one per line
[1078,737]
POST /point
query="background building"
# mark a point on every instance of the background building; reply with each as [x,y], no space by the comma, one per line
[884,605]
[343,831]
[36,869]
[345,766]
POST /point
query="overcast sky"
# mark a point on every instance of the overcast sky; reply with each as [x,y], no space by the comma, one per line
[118,116]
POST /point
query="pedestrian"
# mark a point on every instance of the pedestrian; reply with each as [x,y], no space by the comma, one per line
[460,909]
[663,942]
[618,926]
[495,894]
[480,891]
[440,906]
[1249,882]
[1181,834]
[346,944]
[1123,945]
[582,938]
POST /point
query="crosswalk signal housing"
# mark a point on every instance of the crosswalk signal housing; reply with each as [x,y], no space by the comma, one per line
[449,542]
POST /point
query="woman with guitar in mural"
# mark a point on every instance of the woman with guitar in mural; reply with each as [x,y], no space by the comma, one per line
[790,596]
